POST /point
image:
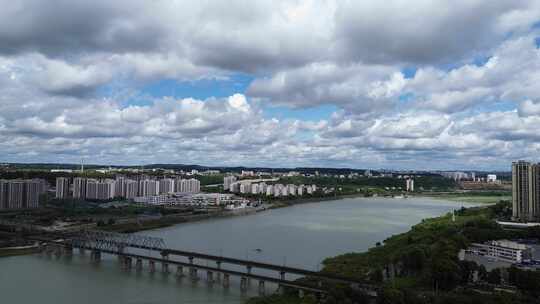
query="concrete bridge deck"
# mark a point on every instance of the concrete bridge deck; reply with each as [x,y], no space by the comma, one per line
[118,247]
[162,261]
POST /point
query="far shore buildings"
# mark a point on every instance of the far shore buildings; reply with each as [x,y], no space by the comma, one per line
[62,187]
[262,188]
[227,181]
[409,183]
[21,194]
[122,187]
[525,191]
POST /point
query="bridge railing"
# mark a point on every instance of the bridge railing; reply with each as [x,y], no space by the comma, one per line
[104,240]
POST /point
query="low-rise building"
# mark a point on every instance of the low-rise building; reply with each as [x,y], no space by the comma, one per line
[502,250]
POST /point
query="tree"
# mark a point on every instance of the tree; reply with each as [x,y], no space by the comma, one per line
[494,276]
[445,273]
[391,296]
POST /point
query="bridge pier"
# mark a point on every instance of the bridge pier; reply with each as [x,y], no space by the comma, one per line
[218,265]
[96,256]
[68,250]
[41,249]
[127,263]
[226,281]
[179,271]
[152,265]
[82,251]
[300,293]
[121,261]
[248,269]
[210,276]
[138,264]
[193,273]
[243,284]
[58,251]
[191,259]
[165,267]
[262,289]
[282,275]
[48,250]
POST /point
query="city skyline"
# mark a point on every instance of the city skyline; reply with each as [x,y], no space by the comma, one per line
[299,83]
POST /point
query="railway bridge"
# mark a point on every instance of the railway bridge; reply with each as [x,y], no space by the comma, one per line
[134,251]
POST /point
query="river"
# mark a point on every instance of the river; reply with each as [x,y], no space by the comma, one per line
[299,236]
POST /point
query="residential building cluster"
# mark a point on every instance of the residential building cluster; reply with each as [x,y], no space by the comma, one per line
[525,191]
[471,176]
[455,175]
[122,187]
[21,194]
[262,188]
[228,181]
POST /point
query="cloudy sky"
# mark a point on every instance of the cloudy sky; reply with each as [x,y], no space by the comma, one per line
[377,84]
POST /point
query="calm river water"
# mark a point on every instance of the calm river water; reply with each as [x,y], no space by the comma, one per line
[300,236]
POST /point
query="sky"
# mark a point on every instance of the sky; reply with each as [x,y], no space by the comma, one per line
[398,84]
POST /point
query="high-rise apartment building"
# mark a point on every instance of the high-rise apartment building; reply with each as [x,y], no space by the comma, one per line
[245,188]
[62,187]
[91,189]
[255,189]
[148,187]
[79,187]
[227,181]
[17,194]
[3,194]
[120,186]
[132,189]
[166,185]
[525,191]
[534,193]
[409,185]
[33,189]
[100,190]
[191,185]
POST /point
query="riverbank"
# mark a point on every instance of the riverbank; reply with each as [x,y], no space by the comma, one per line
[422,265]
[20,250]
[468,198]
[171,220]
[298,201]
